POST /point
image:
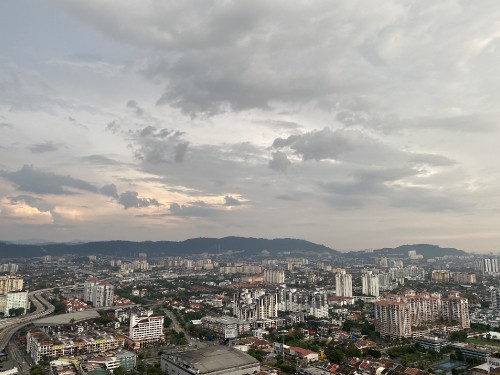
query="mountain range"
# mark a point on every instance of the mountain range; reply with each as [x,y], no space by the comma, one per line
[248,247]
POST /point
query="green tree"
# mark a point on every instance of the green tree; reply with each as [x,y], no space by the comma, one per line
[36,370]
[119,371]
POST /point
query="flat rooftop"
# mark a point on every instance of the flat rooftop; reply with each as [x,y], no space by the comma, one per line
[213,358]
[66,319]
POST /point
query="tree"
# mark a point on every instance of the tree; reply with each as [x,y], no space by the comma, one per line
[36,370]
[119,371]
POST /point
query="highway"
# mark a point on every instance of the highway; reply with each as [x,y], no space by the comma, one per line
[10,325]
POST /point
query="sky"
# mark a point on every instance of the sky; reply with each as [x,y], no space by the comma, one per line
[352,124]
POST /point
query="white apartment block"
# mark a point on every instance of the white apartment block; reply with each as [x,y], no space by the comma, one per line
[258,304]
[145,330]
[100,293]
[274,276]
[16,300]
[488,266]
[343,284]
[370,284]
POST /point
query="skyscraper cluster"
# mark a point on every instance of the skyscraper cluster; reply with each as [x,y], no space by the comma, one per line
[100,293]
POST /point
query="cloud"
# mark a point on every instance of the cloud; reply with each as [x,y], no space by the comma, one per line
[323,144]
[40,148]
[32,180]
[38,203]
[180,151]
[279,161]
[130,199]
[113,127]
[110,191]
[231,201]
[193,209]
[99,160]
[5,125]
[155,145]
[132,104]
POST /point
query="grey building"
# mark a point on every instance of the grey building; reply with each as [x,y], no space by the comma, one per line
[210,360]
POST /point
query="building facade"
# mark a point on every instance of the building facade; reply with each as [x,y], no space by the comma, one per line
[343,284]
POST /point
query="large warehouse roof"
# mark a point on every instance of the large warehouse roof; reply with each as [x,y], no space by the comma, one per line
[68,318]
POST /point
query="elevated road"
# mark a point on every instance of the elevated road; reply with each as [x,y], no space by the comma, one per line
[10,325]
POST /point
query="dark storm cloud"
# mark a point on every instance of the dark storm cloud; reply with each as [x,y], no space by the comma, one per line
[279,161]
[130,199]
[231,201]
[40,148]
[30,179]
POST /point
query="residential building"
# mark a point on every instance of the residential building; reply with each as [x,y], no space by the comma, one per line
[145,330]
[392,319]
[343,284]
[16,300]
[10,284]
[100,293]
[440,276]
[226,326]
[255,304]
[370,284]
[274,276]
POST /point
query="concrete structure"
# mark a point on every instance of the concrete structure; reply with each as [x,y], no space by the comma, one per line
[488,266]
[100,293]
[392,319]
[274,276]
[226,326]
[214,360]
[440,276]
[395,315]
[39,344]
[343,284]
[16,300]
[370,284]
[11,283]
[145,330]
[431,343]
[465,277]
[255,304]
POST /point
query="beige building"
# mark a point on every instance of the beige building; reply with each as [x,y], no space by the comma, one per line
[10,284]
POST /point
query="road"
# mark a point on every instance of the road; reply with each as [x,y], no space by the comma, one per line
[177,327]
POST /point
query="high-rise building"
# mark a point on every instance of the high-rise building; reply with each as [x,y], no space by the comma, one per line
[100,293]
[392,318]
[396,315]
[465,277]
[16,300]
[440,276]
[274,276]
[145,330]
[343,284]
[10,284]
[370,284]
[255,304]
[488,266]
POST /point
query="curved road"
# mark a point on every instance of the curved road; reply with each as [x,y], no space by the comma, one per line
[10,326]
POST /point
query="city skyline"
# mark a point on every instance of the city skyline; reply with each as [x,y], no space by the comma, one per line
[351,126]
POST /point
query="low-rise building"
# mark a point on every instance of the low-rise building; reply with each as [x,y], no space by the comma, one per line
[216,360]
[226,326]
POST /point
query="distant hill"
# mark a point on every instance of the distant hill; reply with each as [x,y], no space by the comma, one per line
[248,246]
[428,251]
